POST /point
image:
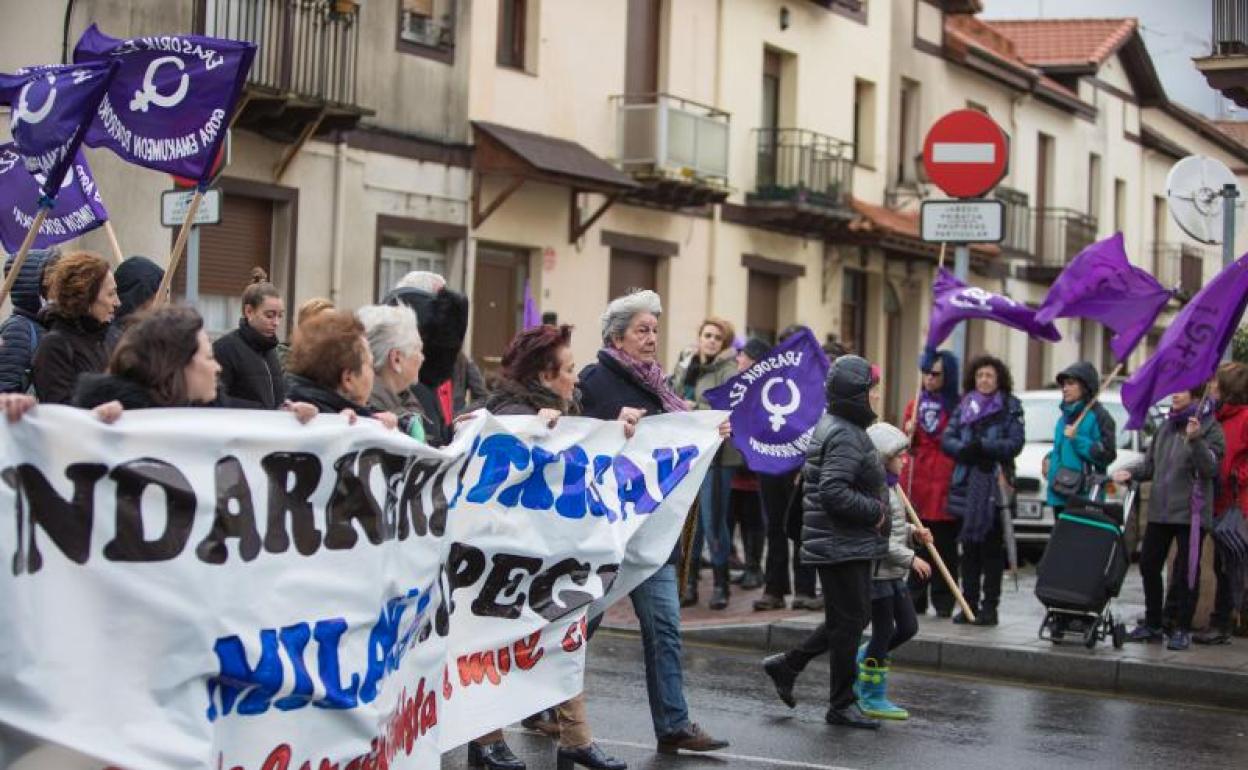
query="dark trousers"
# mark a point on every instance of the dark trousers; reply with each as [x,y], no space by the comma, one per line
[1222,599]
[847,608]
[982,567]
[1179,600]
[747,515]
[945,538]
[775,492]
[893,623]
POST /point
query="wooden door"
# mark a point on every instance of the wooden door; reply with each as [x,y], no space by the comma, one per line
[763,306]
[496,304]
[631,271]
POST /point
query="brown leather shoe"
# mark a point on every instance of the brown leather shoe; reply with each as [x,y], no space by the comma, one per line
[692,738]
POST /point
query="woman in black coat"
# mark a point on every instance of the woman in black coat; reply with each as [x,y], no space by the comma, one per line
[984,435]
[331,367]
[84,298]
[250,369]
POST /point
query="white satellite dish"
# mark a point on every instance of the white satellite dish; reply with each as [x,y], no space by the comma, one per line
[1194,190]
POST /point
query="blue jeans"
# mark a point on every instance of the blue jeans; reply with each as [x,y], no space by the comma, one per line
[657,604]
[714,500]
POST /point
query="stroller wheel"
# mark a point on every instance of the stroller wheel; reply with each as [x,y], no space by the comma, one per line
[1089,637]
[1119,635]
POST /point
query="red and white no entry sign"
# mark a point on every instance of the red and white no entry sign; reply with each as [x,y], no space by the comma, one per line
[965,153]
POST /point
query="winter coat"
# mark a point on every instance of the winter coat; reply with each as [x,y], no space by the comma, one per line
[326,401]
[889,442]
[138,280]
[927,470]
[20,333]
[844,485]
[1178,468]
[412,420]
[712,375]
[514,398]
[96,389]
[1233,473]
[1094,446]
[72,347]
[250,370]
[991,443]
[469,385]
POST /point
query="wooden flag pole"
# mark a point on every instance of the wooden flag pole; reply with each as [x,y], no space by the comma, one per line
[41,215]
[1105,386]
[939,562]
[918,393]
[162,294]
[112,241]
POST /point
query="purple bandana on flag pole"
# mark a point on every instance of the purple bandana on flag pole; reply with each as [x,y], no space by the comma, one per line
[1192,347]
[51,109]
[1102,284]
[954,301]
[77,208]
[171,103]
[776,404]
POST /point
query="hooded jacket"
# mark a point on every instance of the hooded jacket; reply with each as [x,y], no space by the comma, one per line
[1094,444]
[21,332]
[1233,473]
[442,320]
[138,280]
[250,371]
[889,442]
[845,497]
[71,348]
[990,443]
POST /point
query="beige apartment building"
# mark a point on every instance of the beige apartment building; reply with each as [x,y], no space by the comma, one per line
[756,159]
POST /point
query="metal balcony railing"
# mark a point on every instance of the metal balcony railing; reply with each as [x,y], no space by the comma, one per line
[1018,240]
[1230,27]
[667,136]
[308,48]
[1179,266]
[1060,234]
[805,167]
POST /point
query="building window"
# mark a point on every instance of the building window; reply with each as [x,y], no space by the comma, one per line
[864,123]
[517,25]
[908,133]
[854,310]
[427,27]
[763,308]
[1120,205]
[1094,187]
[400,252]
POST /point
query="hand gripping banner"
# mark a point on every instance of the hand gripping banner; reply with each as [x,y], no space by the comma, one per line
[201,588]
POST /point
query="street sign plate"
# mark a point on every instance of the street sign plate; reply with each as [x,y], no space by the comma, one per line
[966,221]
[965,153]
[174,203]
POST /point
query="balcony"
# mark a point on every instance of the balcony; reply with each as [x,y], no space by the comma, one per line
[803,181]
[1057,236]
[303,80]
[1226,68]
[1018,241]
[677,149]
[1179,266]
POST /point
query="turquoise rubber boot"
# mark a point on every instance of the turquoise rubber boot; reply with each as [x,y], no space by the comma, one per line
[871,689]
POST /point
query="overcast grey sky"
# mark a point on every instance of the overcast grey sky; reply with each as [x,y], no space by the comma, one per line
[1174,31]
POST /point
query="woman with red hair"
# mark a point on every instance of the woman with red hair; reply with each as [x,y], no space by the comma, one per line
[84,299]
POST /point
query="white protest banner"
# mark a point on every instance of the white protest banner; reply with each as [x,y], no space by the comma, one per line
[206,588]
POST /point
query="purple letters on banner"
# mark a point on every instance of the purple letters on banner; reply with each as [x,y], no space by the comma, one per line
[776,404]
[52,107]
[170,105]
[954,301]
[1101,284]
[77,210]
[1192,346]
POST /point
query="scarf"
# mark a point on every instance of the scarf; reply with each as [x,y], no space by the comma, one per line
[892,479]
[261,343]
[981,505]
[930,409]
[692,373]
[650,375]
[1179,420]
[976,406]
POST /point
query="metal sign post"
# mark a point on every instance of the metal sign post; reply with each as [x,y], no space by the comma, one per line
[1229,193]
[192,267]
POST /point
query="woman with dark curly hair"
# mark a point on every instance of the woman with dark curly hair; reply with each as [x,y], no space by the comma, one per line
[84,299]
[984,435]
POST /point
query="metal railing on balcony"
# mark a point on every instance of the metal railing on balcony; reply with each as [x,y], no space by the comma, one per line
[1060,234]
[1230,27]
[1017,240]
[308,48]
[805,167]
[1179,266]
[671,137]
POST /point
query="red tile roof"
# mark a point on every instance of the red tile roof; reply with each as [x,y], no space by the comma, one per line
[964,31]
[1066,42]
[905,224]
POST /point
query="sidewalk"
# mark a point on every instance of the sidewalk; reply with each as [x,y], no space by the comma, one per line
[1012,650]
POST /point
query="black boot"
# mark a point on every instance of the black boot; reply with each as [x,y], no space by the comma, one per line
[719,595]
[689,593]
[589,755]
[753,575]
[493,756]
[783,676]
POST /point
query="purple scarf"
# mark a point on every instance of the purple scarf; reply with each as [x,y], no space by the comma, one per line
[650,375]
[929,411]
[976,406]
[1179,420]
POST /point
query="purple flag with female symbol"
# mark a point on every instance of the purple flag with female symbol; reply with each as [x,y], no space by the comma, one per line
[1101,284]
[776,404]
[51,110]
[1190,350]
[171,103]
[77,207]
[954,301]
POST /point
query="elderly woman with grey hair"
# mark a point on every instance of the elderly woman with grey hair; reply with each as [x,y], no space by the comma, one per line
[626,383]
[398,352]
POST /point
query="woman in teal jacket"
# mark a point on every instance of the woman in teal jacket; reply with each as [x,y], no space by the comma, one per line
[1088,446]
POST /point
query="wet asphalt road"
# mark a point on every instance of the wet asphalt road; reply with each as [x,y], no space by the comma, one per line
[955,723]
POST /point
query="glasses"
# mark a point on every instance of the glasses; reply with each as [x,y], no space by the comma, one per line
[933,374]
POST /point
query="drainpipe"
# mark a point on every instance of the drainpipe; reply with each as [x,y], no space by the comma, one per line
[340,165]
[713,240]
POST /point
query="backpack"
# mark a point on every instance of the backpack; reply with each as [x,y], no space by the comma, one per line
[32,328]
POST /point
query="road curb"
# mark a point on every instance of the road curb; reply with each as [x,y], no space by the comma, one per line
[1050,667]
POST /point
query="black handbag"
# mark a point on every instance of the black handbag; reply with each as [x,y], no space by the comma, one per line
[1069,482]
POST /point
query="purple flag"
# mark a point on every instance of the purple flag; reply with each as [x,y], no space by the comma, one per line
[52,107]
[532,316]
[776,404]
[77,208]
[954,301]
[172,100]
[1192,347]
[1101,284]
